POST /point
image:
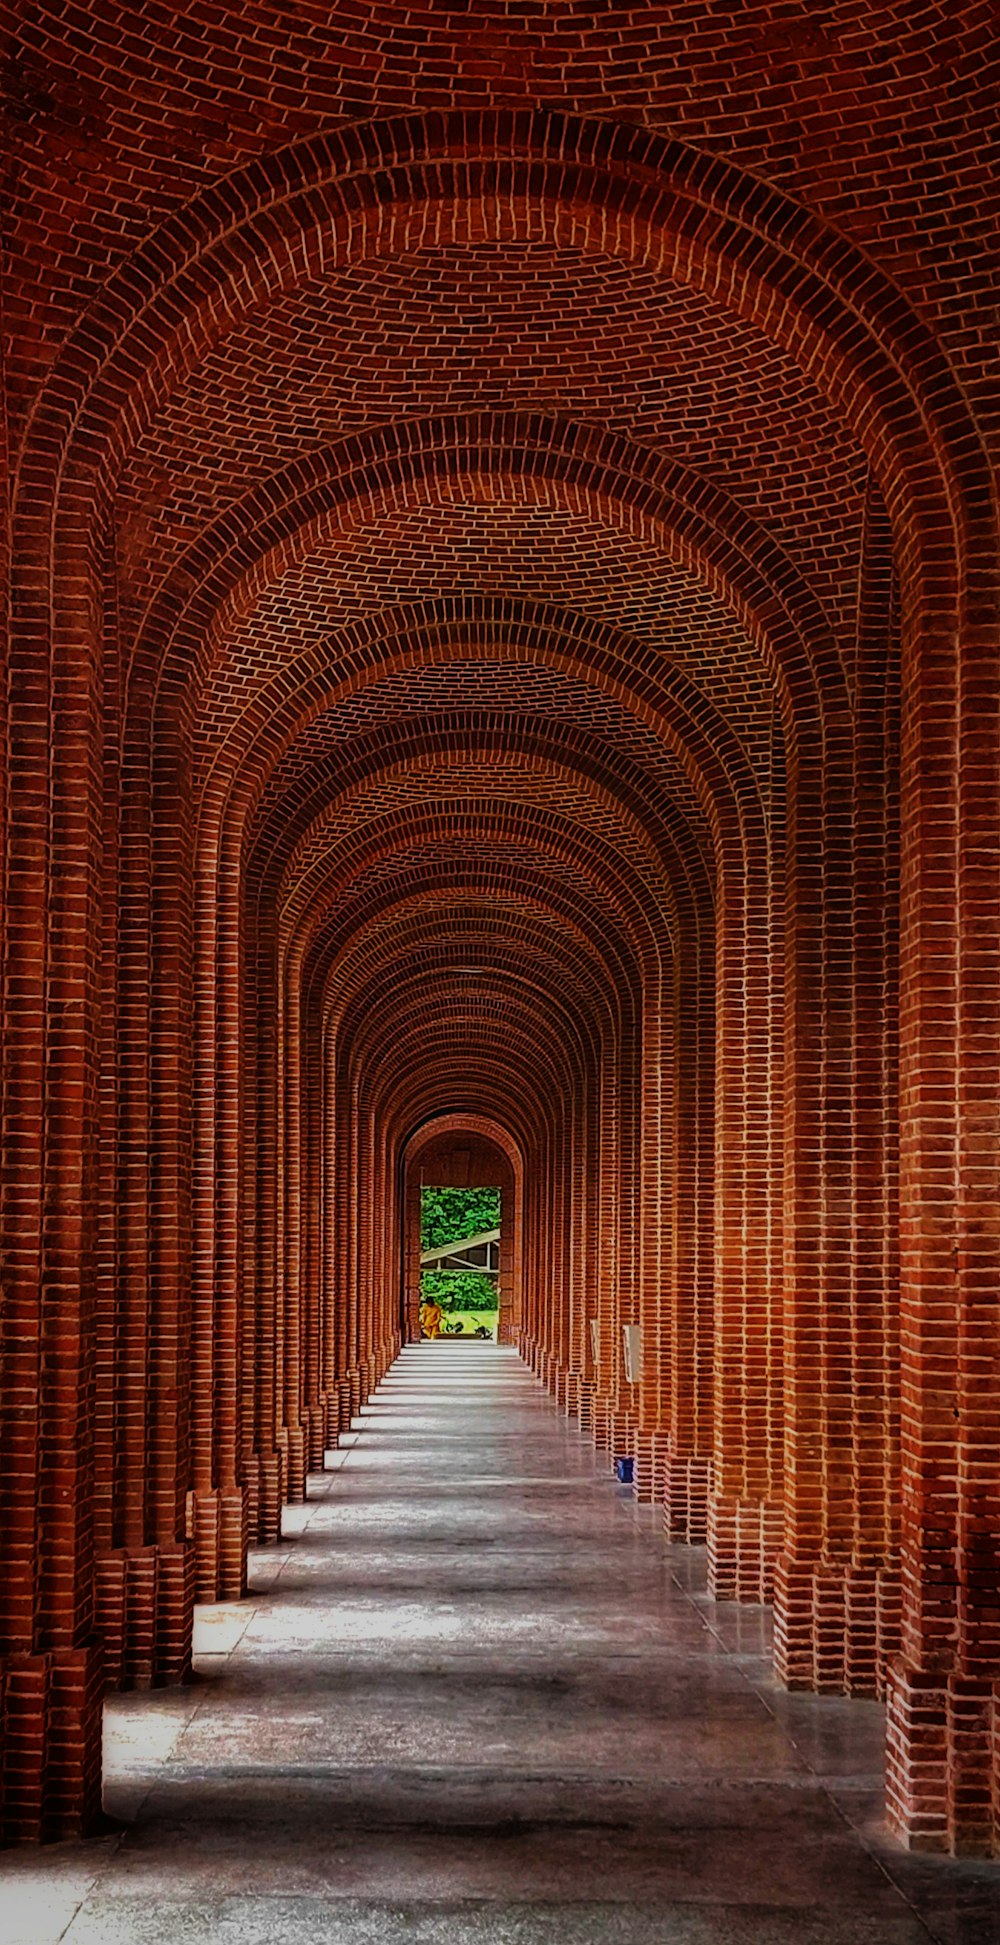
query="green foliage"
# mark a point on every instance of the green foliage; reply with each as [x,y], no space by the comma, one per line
[458,1289]
[446,1215]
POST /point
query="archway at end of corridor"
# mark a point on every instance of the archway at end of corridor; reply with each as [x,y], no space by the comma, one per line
[461,1233]
[461,1230]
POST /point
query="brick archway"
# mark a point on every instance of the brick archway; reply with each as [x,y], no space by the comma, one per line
[452,1151]
[454,532]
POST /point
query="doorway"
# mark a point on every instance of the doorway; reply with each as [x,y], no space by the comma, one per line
[460,1234]
[462,1209]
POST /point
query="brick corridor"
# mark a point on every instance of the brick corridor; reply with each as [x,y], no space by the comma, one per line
[475,1695]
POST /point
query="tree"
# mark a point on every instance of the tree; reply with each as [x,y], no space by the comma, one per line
[446,1215]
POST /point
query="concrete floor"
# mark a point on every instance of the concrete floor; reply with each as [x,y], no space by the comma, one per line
[475,1696]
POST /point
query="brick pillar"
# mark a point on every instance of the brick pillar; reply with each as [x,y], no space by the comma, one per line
[682,1461]
[943,1779]
[745,1524]
[143,1582]
[290,1222]
[313,1388]
[872,1592]
[218,1515]
[836,1595]
[50,1669]
[820,1490]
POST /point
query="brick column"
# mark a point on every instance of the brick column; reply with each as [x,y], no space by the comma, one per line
[943,1780]
[218,1517]
[680,1469]
[144,1588]
[813,1570]
[746,1516]
[50,1666]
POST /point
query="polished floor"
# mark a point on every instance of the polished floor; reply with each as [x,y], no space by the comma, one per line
[475,1696]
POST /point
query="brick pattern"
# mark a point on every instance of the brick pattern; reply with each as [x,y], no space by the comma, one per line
[502,681]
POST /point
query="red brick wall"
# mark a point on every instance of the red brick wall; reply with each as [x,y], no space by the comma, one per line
[502,651]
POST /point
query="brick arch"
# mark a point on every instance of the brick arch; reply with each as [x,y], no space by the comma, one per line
[260,1435]
[779,263]
[358,913]
[534,917]
[503,1115]
[551,1135]
[435,1126]
[415,1044]
[286,824]
[595,658]
[404,932]
[442,1135]
[432,899]
[396,974]
[508,1049]
[488,456]
[679,372]
[401,783]
[648,194]
[683,1346]
[435,871]
[593,995]
[589,652]
[366,905]
[551,845]
[664,1296]
[272,880]
[405,959]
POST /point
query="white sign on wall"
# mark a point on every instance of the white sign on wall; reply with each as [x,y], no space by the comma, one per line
[632,1343]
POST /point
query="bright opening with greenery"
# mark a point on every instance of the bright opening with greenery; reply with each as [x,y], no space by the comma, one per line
[467,1299]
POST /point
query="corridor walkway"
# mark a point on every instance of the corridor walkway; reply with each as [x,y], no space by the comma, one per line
[476,1697]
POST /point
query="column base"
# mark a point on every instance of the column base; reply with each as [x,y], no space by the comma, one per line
[315,1434]
[943,1761]
[622,1429]
[217,1523]
[295,1483]
[144,1613]
[745,1538]
[264,1487]
[650,1451]
[50,1768]
[836,1625]
[265,1492]
[601,1428]
[686,1484]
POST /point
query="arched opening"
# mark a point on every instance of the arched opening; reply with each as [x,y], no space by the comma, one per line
[462,1160]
